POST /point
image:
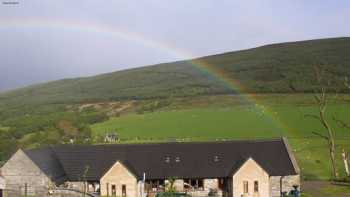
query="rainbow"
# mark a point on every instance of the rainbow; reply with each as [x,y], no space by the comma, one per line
[121,33]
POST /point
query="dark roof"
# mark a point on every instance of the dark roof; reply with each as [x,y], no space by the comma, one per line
[196,160]
[47,161]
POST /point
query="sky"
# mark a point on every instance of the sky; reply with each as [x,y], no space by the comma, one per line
[43,40]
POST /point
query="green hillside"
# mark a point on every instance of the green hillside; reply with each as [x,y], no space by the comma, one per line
[277,68]
[183,101]
[228,119]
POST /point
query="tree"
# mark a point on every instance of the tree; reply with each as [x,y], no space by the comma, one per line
[170,185]
[344,153]
[321,98]
[343,124]
[68,129]
[8,145]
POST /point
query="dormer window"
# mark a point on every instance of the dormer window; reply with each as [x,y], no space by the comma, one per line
[216,158]
[177,159]
[167,159]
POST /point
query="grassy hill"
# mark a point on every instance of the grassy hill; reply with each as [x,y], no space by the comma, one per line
[183,101]
[277,68]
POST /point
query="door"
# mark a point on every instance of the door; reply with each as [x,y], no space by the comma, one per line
[0,192]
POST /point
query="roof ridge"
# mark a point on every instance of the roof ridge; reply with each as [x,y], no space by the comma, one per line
[179,142]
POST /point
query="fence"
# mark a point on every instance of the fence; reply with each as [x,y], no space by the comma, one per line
[20,192]
[42,192]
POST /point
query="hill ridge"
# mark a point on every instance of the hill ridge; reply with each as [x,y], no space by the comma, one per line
[274,68]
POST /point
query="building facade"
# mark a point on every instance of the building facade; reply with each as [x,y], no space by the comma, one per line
[2,185]
[260,168]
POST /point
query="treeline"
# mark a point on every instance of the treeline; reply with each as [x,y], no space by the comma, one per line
[38,129]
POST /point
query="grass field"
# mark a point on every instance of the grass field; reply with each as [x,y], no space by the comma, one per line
[239,121]
[322,188]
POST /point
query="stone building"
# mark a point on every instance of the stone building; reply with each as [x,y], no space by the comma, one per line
[250,168]
[33,171]
[2,184]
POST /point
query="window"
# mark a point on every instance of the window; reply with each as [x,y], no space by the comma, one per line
[222,184]
[216,158]
[197,183]
[154,185]
[245,187]
[123,190]
[177,159]
[114,191]
[167,159]
[256,186]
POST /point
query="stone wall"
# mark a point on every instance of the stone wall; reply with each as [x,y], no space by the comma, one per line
[118,176]
[287,184]
[20,171]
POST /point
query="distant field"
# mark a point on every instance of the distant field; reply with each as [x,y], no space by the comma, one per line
[240,121]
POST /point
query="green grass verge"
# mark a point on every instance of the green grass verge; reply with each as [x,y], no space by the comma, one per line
[335,191]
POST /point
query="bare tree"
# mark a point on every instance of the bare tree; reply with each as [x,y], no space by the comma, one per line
[344,124]
[341,123]
[321,97]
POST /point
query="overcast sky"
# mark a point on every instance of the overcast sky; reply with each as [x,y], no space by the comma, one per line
[43,40]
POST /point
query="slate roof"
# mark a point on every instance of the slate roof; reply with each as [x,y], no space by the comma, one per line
[47,161]
[195,160]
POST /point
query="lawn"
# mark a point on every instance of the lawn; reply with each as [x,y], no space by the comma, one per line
[239,121]
[336,191]
[323,188]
